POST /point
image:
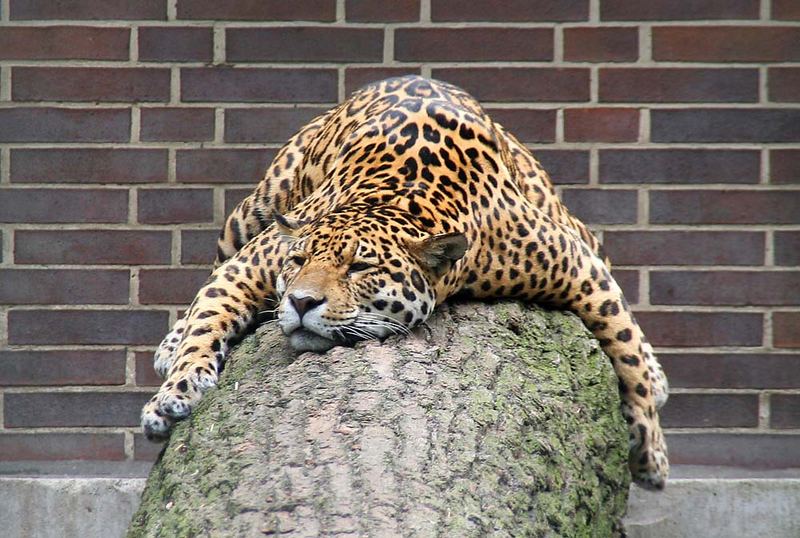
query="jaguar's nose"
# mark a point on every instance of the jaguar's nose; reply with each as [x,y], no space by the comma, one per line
[302,305]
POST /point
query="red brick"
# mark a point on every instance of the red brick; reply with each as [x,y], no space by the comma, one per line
[258,10]
[62,367]
[93,247]
[146,375]
[726,44]
[520,83]
[63,286]
[679,166]
[228,85]
[304,44]
[510,11]
[37,410]
[177,124]
[87,327]
[526,124]
[624,10]
[101,84]
[753,450]
[738,288]
[267,124]
[786,329]
[596,206]
[726,125]
[175,44]
[63,205]
[24,124]
[784,84]
[357,77]
[710,411]
[702,329]
[62,446]
[370,11]
[223,165]
[171,206]
[784,166]
[785,10]
[604,44]
[784,411]
[144,450]
[678,85]
[724,207]
[233,197]
[85,165]
[473,44]
[732,370]
[63,43]
[564,166]
[684,248]
[198,246]
[629,282]
[82,10]
[601,124]
[787,248]
[170,286]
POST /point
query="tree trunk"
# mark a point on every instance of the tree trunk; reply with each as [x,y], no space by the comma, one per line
[497,420]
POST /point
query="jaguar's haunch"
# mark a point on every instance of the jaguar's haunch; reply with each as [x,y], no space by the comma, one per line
[380,209]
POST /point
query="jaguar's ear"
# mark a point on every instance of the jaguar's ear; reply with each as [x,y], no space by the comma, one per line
[287,227]
[438,253]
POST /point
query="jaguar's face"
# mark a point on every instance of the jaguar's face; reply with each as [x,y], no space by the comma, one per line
[348,280]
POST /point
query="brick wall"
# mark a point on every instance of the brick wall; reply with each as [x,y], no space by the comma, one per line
[129,129]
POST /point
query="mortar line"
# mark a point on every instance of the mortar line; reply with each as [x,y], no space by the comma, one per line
[175,248]
[340,11]
[644,287]
[128,444]
[219,126]
[219,206]
[644,125]
[133,297]
[340,84]
[594,85]
[764,410]
[130,367]
[133,206]
[765,11]
[172,10]
[645,44]
[5,165]
[133,45]
[559,126]
[388,45]
[5,6]
[558,44]
[174,85]
[8,251]
[5,83]
[2,401]
[425,11]
[763,86]
[643,206]
[219,44]
[594,11]
[768,330]
[594,167]
[136,124]
[172,165]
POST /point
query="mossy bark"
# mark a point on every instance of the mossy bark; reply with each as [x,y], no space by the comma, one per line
[497,420]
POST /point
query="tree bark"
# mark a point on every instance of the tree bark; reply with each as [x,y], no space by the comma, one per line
[497,420]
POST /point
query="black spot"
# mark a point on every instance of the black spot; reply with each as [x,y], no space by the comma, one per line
[631,360]
[397,306]
[182,385]
[380,304]
[624,335]
[641,390]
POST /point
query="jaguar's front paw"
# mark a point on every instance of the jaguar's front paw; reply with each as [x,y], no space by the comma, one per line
[175,400]
[648,460]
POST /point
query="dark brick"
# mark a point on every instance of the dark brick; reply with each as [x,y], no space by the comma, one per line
[198,246]
[369,11]
[732,370]
[786,329]
[526,124]
[753,450]
[223,165]
[564,166]
[510,11]
[175,44]
[63,286]
[787,248]
[784,411]
[62,367]
[356,77]
[144,450]
[170,286]
[739,288]
[171,206]
[726,125]
[653,10]
[233,197]
[726,44]
[62,446]
[304,44]
[596,206]
[101,84]
[63,205]
[679,166]
[604,44]
[678,85]
[93,247]
[88,327]
[784,84]
[473,44]
[63,43]
[25,124]
[177,124]
[146,375]
[83,10]
[784,166]
[684,248]
[601,124]
[702,329]
[785,10]
[629,282]
[520,83]
[228,85]
[724,207]
[267,124]
[258,10]
[38,410]
[710,411]
[85,165]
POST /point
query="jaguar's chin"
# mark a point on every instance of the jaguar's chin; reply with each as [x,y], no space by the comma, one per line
[305,340]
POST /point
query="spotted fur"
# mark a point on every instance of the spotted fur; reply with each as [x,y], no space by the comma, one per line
[380,209]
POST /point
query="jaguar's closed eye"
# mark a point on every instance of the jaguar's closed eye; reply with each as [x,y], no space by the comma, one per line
[299,260]
[358,266]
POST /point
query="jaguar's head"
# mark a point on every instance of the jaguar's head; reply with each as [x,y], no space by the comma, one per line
[351,276]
